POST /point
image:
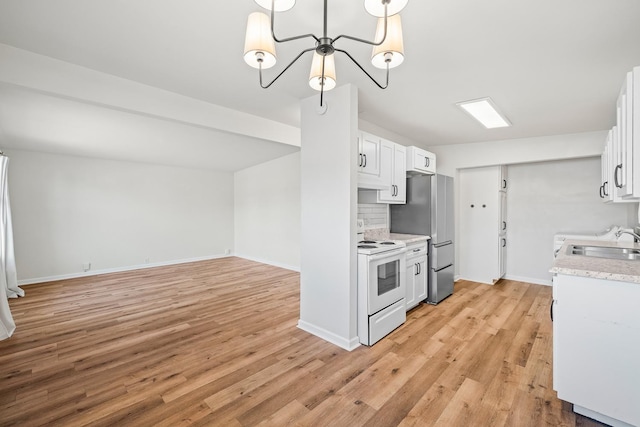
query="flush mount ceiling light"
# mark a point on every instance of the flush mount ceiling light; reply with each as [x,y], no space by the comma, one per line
[388,48]
[485,111]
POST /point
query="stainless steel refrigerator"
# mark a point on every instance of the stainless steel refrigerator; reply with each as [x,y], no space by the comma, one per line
[429,211]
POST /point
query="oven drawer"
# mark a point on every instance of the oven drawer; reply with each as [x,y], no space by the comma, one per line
[385,321]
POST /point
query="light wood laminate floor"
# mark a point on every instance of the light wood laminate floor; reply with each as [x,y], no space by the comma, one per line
[215,343]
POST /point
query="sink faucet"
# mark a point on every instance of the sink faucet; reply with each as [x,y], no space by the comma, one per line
[636,238]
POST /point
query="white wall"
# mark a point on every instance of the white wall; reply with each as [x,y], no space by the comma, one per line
[328,270]
[43,74]
[267,212]
[71,210]
[451,158]
[511,151]
[551,197]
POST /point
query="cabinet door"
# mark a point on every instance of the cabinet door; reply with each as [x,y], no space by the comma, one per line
[502,257]
[421,280]
[502,178]
[393,171]
[425,161]
[596,351]
[386,171]
[609,188]
[634,119]
[603,191]
[502,219]
[370,154]
[400,173]
[625,126]
[410,289]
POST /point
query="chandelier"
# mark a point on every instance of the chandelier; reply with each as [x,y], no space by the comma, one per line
[388,48]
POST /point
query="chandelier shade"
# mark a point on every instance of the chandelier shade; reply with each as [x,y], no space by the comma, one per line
[391,51]
[316,79]
[376,7]
[279,5]
[259,46]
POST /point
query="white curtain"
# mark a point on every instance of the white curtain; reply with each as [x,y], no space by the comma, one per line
[8,277]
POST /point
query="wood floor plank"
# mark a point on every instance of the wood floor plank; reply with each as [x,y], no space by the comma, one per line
[216,343]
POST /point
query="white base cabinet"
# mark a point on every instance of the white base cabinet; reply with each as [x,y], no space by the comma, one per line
[596,347]
[417,274]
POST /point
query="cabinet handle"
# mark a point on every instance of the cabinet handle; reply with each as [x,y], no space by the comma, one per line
[601,190]
[504,225]
[504,184]
[551,309]
[360,164]
[364,165]
[615,176]
[604,189]
[426,162]
[504,241]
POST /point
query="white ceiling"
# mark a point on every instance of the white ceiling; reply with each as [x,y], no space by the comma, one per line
[552,66]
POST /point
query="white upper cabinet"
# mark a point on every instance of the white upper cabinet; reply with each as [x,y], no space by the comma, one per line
[393,172]
[420,161]
[621,156]
[369,162]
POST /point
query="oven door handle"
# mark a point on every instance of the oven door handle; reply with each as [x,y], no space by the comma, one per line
[387,255]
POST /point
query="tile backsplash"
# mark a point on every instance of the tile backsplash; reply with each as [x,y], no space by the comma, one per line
[375,215]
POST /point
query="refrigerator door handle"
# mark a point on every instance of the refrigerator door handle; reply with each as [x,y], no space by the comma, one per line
[442,268]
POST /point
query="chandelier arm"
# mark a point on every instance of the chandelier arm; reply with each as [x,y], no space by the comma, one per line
[324,79]
[288,39]
[285,69]
[374,43]
[365,71]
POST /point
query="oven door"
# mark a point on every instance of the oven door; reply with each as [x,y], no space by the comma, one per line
[386,279]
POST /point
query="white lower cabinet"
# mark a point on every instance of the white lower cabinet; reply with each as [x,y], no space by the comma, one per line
[417,274]
[596,347]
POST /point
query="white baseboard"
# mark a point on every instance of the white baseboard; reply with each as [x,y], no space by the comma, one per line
[116,270]
[347,344]
[535,281]
[473,280]
[514,278]
[269,262]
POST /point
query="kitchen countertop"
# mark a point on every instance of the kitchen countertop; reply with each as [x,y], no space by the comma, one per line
[409,239]
[383,234]
[597,268]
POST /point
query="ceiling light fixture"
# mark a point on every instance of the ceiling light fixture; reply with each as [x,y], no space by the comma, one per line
[388,48]
[486,112]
